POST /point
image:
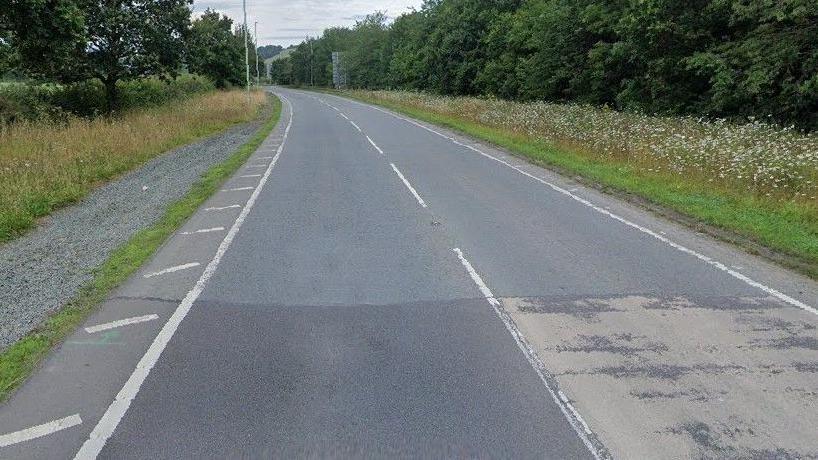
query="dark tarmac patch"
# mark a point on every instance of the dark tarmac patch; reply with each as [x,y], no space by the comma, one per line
[691,394]
[600,343]
[661,371]
[787,343]
[809,366]
[580,308]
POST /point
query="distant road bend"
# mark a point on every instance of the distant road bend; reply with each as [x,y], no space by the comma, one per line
[371,286]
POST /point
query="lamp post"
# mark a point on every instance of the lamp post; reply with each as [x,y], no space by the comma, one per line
[246,50]
[255,33]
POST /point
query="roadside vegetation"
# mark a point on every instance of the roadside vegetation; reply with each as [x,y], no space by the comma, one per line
[20,359]
[756,180]
[44,166]
[89,91]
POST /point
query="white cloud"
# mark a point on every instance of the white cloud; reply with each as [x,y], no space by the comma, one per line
[286,22]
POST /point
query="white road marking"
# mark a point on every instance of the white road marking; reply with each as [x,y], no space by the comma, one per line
[175,268]
[374,145]
[248,176]
[568,410]
[221,208]
[408,185]
[40,430]
[237,189]
[356,126]
[120,323]
[345,117]
[205,230]
[708,260]
[113,415]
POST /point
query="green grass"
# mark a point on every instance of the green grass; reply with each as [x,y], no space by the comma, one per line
[21,358]
[785,232]
[45,166]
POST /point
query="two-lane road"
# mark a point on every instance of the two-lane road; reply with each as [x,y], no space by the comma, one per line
[384,288]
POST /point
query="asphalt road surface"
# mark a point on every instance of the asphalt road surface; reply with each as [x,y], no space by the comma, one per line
[371,286]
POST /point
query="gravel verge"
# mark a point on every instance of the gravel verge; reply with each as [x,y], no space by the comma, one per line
[41,271]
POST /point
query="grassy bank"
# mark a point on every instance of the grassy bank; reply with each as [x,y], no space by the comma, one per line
[44,166]
[754,184]
[18,361]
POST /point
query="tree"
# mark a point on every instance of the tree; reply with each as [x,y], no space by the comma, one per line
[268,51]
[112,40]
[215,51]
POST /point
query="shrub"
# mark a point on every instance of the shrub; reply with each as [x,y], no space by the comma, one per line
[49,101]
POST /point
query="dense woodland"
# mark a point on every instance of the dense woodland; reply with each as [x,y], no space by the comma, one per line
[718,58]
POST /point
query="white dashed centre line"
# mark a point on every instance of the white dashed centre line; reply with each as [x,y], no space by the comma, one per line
[374,145]
[120,323]
[408,185]
[222,208]
[40,430]
[175,268]
[205,230]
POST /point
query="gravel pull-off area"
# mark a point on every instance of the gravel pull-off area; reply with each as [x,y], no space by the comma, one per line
[44,269]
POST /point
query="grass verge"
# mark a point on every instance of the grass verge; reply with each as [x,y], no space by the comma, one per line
[45,165]
[785,232]
[21,358]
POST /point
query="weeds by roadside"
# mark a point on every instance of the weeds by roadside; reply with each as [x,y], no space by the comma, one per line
[45,166]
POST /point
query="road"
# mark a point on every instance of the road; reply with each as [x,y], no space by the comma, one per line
[368,285]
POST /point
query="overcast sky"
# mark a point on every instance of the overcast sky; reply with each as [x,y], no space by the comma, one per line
[287,22]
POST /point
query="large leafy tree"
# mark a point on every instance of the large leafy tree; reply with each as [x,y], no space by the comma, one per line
[112,40]
[215,51]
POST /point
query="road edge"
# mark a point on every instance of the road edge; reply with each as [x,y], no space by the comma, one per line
[21,359]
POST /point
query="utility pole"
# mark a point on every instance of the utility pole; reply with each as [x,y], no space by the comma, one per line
[246,51]
[255,33]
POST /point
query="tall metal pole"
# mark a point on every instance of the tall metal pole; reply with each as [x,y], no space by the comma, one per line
[246,50]
[255,32]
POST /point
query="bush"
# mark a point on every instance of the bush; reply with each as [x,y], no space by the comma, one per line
[49,101]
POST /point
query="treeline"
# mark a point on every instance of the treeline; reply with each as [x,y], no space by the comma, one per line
[80,55]
[721,58]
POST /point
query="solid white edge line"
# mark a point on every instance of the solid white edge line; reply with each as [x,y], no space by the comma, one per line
[712,262]
[175,268]
[237,189]
[40,430]
[221,208]
[356,126]
[113,415]
[374,145]
[204,230]
[408,185]
[120,323]
[571,414]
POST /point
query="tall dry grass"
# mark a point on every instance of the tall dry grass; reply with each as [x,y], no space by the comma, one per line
[756,157]
[44,166]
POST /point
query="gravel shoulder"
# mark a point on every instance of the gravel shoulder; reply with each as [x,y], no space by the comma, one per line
[43,270]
